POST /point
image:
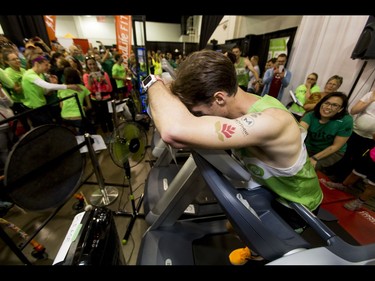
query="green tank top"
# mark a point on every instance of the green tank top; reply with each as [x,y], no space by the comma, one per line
[298,183]
[242,73]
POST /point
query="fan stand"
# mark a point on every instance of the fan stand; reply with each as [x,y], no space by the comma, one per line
[106,194]
[133,146]
[135,208]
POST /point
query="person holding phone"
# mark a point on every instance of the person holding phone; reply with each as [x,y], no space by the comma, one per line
[302,93]
[276,79]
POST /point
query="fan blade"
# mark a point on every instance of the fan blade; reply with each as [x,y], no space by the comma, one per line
[120,150]
[128,144]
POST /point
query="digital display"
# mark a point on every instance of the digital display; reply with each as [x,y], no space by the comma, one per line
[147,80]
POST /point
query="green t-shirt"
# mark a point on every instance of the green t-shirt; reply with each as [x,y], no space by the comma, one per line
[16,77]
[320,136]
[107,66]
[6,83]
[301,96]
[242,73]
[34,95]
[119,71]
[69,106]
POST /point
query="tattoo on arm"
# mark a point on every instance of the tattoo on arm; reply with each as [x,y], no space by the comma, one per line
[224,130]
[247,121]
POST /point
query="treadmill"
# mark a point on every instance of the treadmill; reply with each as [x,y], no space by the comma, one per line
[168,167]
[170,241]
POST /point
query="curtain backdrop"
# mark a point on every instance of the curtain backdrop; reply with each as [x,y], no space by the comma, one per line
[328,42]
[16,28]
[209,24]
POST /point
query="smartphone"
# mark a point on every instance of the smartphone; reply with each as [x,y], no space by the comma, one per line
[281,68]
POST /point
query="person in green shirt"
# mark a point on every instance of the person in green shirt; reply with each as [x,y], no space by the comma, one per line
[329,127]
[73,114]
[15,73]
[119,73]
[243,66]
[302,93]
[35,88]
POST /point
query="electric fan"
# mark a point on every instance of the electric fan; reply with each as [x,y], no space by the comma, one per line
[128,144]
[127,149]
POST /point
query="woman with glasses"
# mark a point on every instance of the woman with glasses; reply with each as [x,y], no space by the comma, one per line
[302,93]
[328,126]
[15,72]
[361,140]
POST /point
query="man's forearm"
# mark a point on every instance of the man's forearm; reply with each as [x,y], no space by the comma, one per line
[166,108]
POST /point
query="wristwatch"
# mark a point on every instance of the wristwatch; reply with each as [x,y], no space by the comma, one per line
[149,81]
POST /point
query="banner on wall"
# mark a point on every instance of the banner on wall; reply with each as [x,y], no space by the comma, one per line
[278,46]
[124,36]
[50,22]
[83,43]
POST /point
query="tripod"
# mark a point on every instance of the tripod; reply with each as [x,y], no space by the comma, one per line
[135,208]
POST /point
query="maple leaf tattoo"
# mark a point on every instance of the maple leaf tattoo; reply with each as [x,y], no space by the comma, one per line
[224,130]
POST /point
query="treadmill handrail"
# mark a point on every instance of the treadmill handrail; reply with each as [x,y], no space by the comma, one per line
[252,227]
[247,225]
[226,164]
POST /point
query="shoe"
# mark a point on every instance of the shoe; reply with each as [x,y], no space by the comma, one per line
[242,255]
[354,205]
[333,185]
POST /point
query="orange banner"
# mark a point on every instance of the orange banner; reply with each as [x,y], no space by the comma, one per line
[50,22]
[124,36]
